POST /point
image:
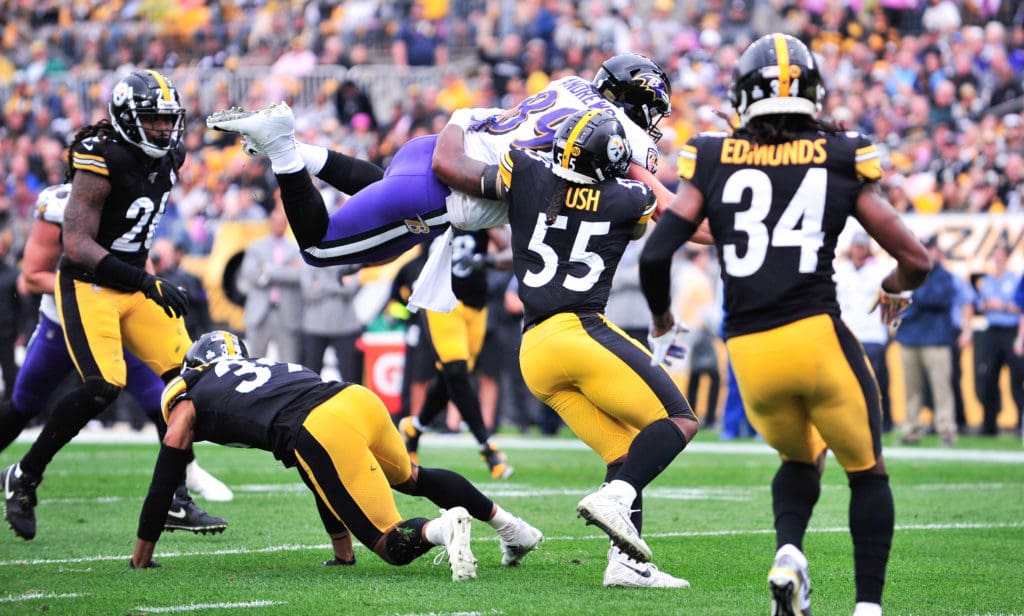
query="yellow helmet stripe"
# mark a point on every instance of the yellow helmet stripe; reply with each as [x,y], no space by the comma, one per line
[574,134]
[782,53]
[229,343]
[165,90]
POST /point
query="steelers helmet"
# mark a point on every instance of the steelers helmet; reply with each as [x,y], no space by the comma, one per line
[590,146]
[212,346]
[776,74]
[639,86]
[137,101]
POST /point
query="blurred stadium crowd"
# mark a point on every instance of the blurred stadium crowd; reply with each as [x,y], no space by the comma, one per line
[937,83]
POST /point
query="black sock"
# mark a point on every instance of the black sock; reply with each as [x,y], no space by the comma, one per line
[651,451]
[304,206]
[872,518]
[405,542]
[448,489]
[435,400]
[460,387]
[11,423]
[69,416]
[795,491]
[348,174]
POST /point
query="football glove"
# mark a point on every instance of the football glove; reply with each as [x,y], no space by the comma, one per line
[174,300]
[891,306]
[664,346]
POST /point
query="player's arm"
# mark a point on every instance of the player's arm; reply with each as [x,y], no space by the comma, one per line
[167,474]
[665,197]
[463,173]
[883,223]
[675,227]
[42,251]
[82,219]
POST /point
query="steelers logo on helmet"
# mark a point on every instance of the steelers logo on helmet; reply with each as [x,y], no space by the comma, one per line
[590,146]
[122,92]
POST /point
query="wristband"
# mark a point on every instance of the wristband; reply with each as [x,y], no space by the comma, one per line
[489,183]
[120,275]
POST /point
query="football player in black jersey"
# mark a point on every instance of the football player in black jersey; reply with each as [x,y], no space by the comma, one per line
[457,338]
[777,192]
[572,215]
[341,439]
[121,172]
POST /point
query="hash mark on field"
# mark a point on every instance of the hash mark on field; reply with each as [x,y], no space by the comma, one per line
[30,596]
[194,607]
[327,546]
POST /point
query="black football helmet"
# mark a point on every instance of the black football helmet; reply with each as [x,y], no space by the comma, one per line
[590,146]
[212,346]
[639,86]
[776,74]
[137,102]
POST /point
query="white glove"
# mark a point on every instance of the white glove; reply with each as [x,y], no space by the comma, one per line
[664,346]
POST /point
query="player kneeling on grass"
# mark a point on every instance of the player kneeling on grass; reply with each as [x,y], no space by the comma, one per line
[346,449]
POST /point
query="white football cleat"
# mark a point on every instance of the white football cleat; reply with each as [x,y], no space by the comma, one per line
[790,583]
[612,516]
[517,539]
[205,485]
[270,131]
[624,572]
[456,526]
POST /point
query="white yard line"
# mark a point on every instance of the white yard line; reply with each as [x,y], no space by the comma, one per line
[325,546]
[466,441]
[32,596]
[194,607]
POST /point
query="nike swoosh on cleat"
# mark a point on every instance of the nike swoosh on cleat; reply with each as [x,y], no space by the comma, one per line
[8,492]
[641,572]
[180,513]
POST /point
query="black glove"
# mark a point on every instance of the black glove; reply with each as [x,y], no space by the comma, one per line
[174,300]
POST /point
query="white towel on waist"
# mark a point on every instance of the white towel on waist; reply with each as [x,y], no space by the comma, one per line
[433,288]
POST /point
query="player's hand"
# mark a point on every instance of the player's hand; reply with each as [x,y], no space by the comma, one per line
[174,300]
[664,346]
[891,306]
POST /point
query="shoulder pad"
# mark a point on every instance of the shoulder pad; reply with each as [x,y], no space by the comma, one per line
[91,155]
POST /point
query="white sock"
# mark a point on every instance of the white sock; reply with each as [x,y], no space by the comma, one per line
[501,518]
[433,532]
[284,159]
[415,418]
[621,490]
[863,608]
[314,156]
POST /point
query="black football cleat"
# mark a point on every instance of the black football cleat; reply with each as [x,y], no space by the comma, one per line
[20,501]
[185,514]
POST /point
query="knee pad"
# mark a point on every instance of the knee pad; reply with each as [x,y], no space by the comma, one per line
[101,391]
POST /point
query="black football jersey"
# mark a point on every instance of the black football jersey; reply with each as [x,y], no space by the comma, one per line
[469,284]
[254,403]
[775,212]
[568,266]
[139,188]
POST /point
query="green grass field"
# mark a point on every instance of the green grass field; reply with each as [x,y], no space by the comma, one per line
[959,545]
